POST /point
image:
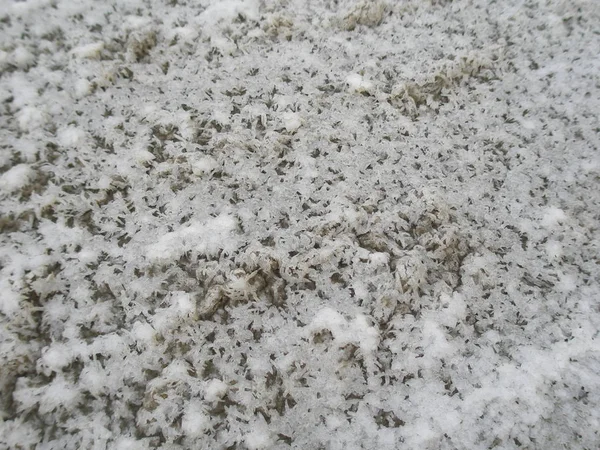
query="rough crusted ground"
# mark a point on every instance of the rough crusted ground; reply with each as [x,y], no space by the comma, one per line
[299,224]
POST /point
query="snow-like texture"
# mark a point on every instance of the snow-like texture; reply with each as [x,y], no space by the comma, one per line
[259,224]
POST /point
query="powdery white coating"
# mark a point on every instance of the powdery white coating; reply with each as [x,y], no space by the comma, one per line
[356,83]
[22,58]
[195,421]
[30,118]
[209,237]
[16,177]
[291,121]
[258,439]
[82,88]
[554,249]
[70,136]
[204,166]
[348,224]
[56,357]
[228,10]
[553,216]
[356,331]
[215,389]
[143,332]
[9,299]
[91,50]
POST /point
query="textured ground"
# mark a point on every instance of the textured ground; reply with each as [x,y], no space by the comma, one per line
[299,224]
